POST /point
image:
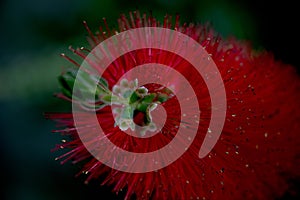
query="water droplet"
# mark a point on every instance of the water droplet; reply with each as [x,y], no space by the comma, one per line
[266,135]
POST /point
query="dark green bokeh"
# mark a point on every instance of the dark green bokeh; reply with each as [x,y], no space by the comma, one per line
[34,32]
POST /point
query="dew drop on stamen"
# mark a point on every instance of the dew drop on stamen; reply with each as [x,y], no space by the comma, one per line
[266,135]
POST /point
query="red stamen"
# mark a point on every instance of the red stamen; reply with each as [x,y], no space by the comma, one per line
[90,33]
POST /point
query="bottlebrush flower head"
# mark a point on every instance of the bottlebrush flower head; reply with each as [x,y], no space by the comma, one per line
[257,154]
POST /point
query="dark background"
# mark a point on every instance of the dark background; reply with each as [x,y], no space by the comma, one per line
[32,35]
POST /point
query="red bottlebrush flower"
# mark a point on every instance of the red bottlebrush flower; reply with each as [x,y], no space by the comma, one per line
[257,153]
